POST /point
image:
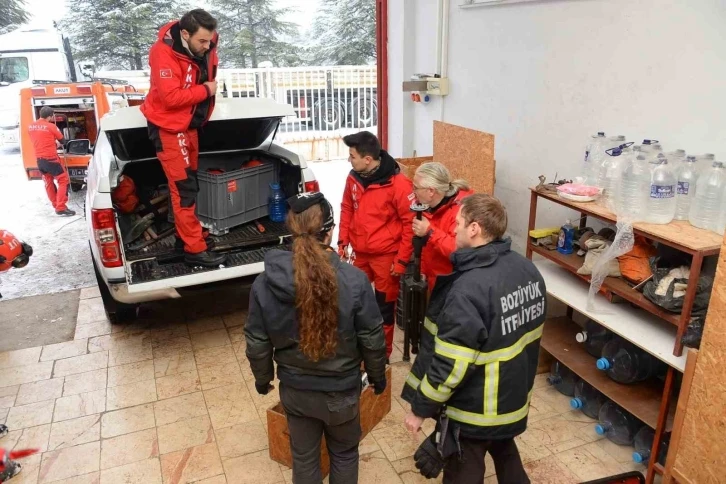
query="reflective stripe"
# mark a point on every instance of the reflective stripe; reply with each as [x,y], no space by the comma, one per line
[431,326]
[510,352]
[441,395]
[481,420]
[457,373]
[412,381]
[455,352]
[491,387]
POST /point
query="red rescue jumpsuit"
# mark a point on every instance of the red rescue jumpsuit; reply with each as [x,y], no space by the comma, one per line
[43,135]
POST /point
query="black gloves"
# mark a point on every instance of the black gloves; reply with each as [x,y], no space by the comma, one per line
[427,458]
[263,389]
[379,387]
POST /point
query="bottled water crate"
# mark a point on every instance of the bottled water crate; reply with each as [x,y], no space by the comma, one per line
[234,196]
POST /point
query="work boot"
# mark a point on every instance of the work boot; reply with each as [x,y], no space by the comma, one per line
[179,243]
[65,213]
[3,430]
[205,259]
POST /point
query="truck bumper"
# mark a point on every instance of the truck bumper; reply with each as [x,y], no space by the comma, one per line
[120,292]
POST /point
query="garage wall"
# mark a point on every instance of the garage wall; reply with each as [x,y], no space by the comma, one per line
[543,76]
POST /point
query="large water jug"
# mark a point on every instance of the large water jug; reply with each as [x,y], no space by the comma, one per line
[721,229]
[562,378]
[276,203]
[594,152]
[676,157]
[643,443]
[705,161]
[594,337]
[626,363]
[587,399]
[686,175]
[616,424]
[662,196]
[705,211]
[611,173]
[634,189]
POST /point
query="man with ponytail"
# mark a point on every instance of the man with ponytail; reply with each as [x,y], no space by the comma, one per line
[317,318]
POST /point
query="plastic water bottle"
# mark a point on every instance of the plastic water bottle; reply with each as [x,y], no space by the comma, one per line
[687,174]
[562,378]
[594,337]
[587,399]
[704,161]
[611,172]
[643,443]
[721,229]
[276,203]
[634,189]
[594,152]
[676,157]
[705,211]
[626,363]
[565,240]
[662,200]
[616,424]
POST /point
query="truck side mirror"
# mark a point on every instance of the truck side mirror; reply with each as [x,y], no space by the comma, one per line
[78,147]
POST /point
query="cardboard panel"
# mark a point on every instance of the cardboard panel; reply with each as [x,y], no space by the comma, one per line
[467,153]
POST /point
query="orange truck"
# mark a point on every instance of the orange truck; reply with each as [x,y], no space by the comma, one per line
[78,108]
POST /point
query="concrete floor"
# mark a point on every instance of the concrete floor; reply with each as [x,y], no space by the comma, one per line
[171,399]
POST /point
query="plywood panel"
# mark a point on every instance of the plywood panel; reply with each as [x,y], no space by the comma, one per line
[701,455]
[409,165]
[467,153]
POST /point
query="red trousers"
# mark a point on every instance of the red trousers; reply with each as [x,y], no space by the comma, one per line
[179,157]
[378,269]
[53,171]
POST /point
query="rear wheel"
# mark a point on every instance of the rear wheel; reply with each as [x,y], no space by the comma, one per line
[116,312]
[365,112]
[328,114]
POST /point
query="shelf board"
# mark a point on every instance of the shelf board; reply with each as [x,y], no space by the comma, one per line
[644,330]
[572,262]
[678,234]
[641,399]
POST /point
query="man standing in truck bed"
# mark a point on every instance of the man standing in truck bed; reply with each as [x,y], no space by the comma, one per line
[377,222]
[183,64]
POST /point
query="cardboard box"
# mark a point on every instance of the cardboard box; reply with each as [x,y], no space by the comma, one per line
[372,410]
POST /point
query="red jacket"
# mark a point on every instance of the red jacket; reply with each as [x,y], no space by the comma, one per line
[441,243]
[376,216]
[176,90]
[43,134]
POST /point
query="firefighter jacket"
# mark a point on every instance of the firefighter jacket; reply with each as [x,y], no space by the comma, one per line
[178,100]
[479,349]
[441,238]
[271,330]
[376,216]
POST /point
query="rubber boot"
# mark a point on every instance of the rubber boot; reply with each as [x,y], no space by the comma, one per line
[205,259]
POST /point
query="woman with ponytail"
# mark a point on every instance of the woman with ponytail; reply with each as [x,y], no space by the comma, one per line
[317,318]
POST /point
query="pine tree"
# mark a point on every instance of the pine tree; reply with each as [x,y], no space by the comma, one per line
[345,33]
[12,13]
[252,31]
[118,33]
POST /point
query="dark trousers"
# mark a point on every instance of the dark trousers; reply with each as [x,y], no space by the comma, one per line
[311,414]
[506,458]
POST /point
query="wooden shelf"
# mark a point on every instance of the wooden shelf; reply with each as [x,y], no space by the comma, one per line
[644,330]
[642,399]
[572,262]
[681,235]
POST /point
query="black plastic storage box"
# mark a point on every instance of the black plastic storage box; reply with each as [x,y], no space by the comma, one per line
[237,195]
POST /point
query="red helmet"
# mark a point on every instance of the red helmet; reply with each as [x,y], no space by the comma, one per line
[13,253]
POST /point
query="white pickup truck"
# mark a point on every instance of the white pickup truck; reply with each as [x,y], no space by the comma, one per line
[128,276]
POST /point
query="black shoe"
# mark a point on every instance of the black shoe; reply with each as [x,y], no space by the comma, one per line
[204,259]
[3,430]
[179,243]
[65,213]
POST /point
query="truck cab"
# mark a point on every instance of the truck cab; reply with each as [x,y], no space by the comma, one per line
[131,270]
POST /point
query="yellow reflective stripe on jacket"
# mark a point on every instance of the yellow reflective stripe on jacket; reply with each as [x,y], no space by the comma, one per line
[481,420]
[491,387]
[431,326]
[455,352]
[440,394]
[509,352]
[412,381]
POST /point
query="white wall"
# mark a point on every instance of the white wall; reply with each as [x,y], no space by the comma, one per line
[543,76]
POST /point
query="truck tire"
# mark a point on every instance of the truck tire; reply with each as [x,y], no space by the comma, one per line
[365,112]
[328,114]
[116,312]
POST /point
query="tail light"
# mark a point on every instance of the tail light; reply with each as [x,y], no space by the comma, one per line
[34,174]
[84,89]
[104,230]
[38,91]
[312,186]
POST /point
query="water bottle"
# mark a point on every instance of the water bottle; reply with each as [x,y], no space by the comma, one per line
[643,443]
[662,201]
[594,153]
[587,399]
[687,174]
[705,211]
[616,424]
[634,188]
[562,378]
[276,203]
[676,157]
[594,337]
[566,238]
[611,172]
[704,161]
[721,229]
[626,363]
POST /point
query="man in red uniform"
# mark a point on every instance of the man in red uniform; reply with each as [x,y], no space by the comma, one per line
[183,64]
[44,135]
[376,221]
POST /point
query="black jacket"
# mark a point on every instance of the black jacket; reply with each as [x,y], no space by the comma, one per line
[271,330]
[480,346]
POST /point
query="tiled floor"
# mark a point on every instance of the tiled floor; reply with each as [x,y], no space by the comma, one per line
[172,400]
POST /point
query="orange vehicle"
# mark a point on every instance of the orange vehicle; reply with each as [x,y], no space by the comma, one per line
[78,108]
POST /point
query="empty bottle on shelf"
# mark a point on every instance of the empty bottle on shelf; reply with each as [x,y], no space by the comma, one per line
[594,152]
[705,211]
[634,188]
[587,399]
[676,157]
[594,336]
[643,443]
[687,175]
[626,363]
[662,198]
[562,378]
[704,161]
[611,173]
[618,425]
[721,229]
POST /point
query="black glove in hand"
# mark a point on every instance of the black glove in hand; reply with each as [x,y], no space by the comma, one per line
[379,387]
[428,460]
[263,389]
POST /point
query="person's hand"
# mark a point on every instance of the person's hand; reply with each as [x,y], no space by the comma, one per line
[212,86]
[420,227]
[341,251]
[394,272]
[264,389]
[412,422]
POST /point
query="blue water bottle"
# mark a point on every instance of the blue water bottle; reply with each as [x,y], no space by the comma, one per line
[276,203]
[567,234]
